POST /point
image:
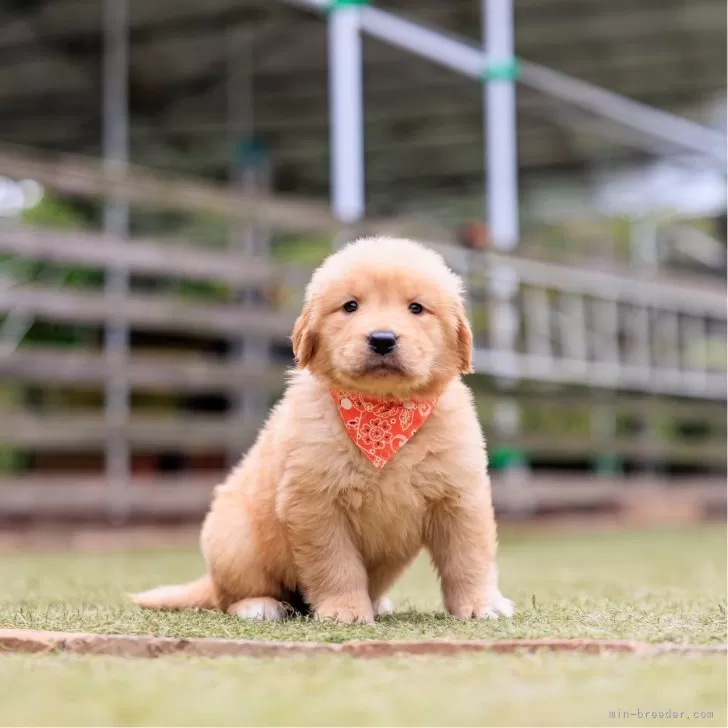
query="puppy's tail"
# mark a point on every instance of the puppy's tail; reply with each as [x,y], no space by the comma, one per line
[199,594]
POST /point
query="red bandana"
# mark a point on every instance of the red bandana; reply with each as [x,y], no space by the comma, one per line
[380,427]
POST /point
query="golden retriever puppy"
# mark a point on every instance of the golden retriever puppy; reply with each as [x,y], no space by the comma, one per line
[373,453]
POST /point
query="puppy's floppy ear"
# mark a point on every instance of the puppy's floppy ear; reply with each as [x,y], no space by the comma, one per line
[304,338]
[465,342]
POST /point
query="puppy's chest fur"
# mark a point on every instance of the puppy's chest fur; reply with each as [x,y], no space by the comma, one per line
[386,508]
[375,499]
[397,490]
[406,483]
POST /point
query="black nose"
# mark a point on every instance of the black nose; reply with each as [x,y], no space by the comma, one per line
[382,342]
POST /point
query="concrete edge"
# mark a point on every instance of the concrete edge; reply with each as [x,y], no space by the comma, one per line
[82,643]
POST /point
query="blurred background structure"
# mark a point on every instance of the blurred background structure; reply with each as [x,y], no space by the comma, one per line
[171,172]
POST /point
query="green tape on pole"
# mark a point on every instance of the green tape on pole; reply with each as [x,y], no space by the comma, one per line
[608,464]
[336,4]
[249,150]
[507,458]
[507,69]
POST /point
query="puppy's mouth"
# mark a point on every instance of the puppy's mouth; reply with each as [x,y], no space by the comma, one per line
[382,366]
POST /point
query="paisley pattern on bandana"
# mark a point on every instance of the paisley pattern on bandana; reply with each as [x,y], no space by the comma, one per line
[380,427]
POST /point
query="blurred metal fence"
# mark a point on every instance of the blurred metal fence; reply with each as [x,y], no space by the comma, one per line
[618,329]
[632,347]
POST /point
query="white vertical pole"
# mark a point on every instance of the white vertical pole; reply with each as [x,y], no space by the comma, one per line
[500,120]
[345,111]
[116,223]
[501,161]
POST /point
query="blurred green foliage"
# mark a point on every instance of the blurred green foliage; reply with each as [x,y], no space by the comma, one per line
[302,250]
[53,212]
[57,214]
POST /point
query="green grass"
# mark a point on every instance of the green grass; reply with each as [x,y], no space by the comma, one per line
[479,690]
[657,586]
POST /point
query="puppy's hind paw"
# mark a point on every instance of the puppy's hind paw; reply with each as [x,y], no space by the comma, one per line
[263,608]
[383,607]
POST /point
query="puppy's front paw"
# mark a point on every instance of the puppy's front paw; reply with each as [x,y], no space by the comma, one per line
[496,605]
[346,610]
[502,606]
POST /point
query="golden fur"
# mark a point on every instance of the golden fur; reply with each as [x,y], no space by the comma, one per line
[306,512]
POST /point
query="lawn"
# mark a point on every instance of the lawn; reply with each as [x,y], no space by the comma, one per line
[658,586]
[478,690]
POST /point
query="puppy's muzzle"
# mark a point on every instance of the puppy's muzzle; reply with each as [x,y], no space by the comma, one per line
[382,342]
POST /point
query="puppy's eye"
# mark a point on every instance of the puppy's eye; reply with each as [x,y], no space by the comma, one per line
[416,308]
[350,306]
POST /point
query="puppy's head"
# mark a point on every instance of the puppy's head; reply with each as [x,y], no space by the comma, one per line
[384,317]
